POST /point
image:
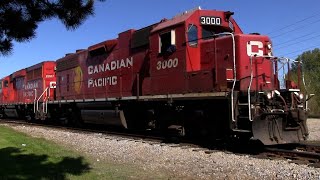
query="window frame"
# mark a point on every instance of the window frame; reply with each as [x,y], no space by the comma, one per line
[172,40]
[193,43]
[6,83]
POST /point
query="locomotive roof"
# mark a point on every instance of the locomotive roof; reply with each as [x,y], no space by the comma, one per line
[108,45]
[175,20]
[37,65]
[19,73]
[181,18]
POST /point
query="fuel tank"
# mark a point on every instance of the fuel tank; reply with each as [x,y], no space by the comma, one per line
[102,113]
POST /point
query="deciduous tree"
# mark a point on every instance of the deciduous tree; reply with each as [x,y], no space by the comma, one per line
[310,64]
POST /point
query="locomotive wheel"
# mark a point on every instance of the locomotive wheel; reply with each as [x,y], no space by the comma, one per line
[76,119]
[29,116]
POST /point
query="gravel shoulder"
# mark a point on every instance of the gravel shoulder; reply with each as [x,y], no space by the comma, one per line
[314,129]
[179,163]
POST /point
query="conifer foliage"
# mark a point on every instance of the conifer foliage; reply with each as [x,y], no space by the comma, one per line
[19,19]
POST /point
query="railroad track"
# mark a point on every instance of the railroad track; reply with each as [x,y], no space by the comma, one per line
[117,134]
[306,153]
[87,129]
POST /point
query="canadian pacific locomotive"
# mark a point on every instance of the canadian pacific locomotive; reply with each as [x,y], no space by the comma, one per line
[196,75]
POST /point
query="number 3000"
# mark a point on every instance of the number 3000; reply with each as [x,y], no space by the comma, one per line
[210,20]
[167,64]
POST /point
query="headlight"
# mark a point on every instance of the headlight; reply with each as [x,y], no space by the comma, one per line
[269,47]
[301,96]
[269,95]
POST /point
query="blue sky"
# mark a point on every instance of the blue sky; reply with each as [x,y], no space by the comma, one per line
[283,20]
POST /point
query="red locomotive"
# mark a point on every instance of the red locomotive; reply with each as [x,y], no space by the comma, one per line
[23,91]
[196,74]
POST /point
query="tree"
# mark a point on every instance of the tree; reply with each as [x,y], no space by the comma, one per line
[311,70]
[20,18]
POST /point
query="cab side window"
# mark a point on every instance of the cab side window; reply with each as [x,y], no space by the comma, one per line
[167,42]
[207,33]
[6,83]
[0,84]
[192,35]
[18,83]
[98,52]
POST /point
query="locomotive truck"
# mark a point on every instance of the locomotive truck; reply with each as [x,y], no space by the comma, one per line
[195,75]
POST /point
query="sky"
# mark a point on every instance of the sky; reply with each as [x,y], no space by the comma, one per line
[292,25]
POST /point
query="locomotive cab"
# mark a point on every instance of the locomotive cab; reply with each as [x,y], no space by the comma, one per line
[7,89]
[8,97]
[17,108]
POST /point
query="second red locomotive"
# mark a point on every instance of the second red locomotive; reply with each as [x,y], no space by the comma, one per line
[196,74]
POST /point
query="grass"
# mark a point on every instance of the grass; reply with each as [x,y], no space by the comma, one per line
[24,157]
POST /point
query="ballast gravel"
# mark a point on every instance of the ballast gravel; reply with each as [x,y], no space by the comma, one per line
[176,162]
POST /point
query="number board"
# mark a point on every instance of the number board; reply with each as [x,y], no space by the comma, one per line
[210,20]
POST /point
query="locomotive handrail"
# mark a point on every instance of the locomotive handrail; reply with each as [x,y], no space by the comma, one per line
[250,83]
[272,58]
[234,67]
[285,61]
[213,36]
[249,89]
[34,101]
[303,80]
[48,98]
[40,98]
[234,71]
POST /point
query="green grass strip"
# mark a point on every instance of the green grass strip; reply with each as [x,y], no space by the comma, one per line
[25,157]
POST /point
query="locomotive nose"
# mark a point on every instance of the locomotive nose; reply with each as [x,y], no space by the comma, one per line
[273,128]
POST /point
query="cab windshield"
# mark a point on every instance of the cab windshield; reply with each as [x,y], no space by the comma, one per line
[208,32]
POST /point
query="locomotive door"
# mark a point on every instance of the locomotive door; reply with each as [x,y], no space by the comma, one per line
[19,85]
[167,65]
[224,62]
[7,91]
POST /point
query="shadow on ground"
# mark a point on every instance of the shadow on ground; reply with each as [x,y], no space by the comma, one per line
[16,165]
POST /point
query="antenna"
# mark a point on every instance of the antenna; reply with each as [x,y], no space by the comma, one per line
[188,11]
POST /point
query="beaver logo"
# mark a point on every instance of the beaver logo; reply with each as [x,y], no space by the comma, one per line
[77,79]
